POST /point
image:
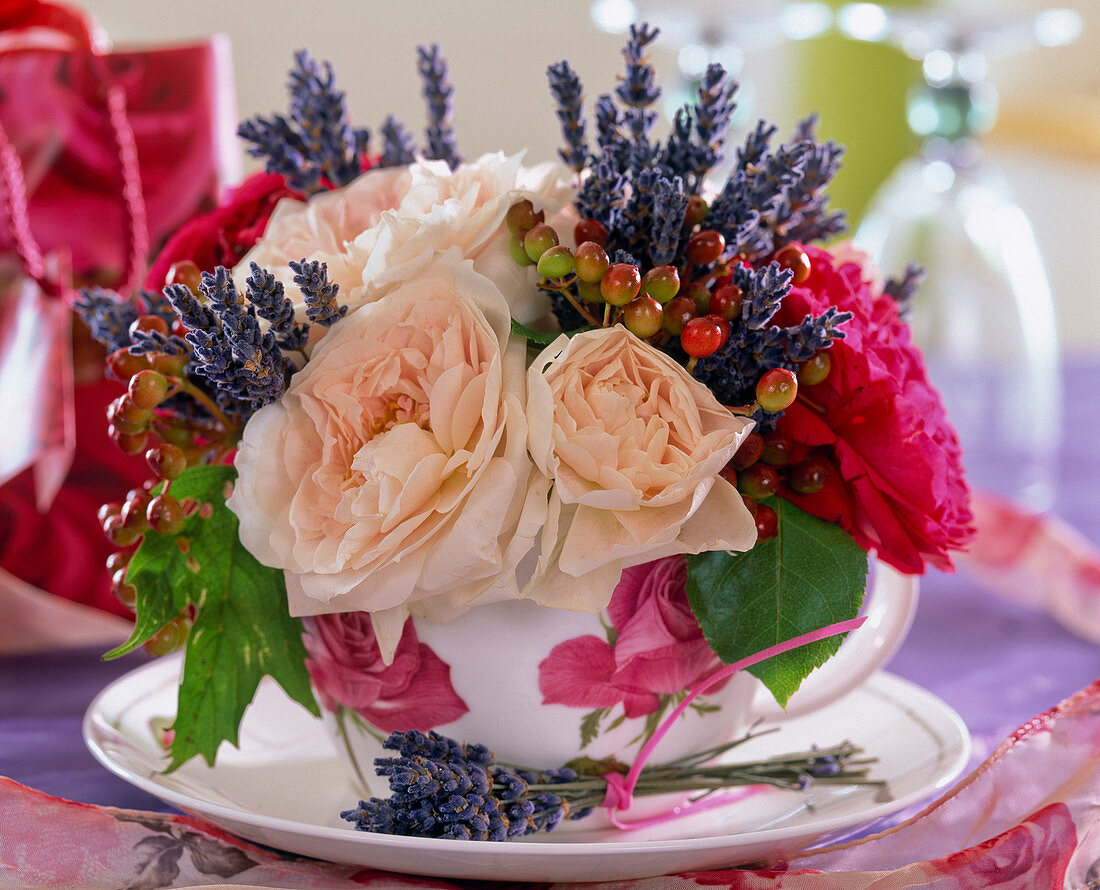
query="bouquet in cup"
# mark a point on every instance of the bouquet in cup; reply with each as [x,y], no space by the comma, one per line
[382,385]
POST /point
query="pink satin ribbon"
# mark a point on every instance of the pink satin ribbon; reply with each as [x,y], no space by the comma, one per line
[620,789]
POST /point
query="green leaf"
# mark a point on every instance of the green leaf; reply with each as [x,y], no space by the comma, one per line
[809,575]
[543,338]
[242,628]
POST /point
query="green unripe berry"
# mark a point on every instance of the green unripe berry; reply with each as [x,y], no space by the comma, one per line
[516,249]
[591,262]
[589,291]
[166,460]
[810,476]
[758,481]
[643,316]
[662,283]
[557,262]
[148,389]
[539,240]
[815,369]
[776,389]
[165,514]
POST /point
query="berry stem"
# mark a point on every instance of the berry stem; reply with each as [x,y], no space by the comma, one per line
[187,387]
[692,362]
[585,314]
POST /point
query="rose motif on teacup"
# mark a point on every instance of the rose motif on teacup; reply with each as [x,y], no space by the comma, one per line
[346,667]
[654,649]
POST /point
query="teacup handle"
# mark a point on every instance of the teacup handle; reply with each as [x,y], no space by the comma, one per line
[891,602]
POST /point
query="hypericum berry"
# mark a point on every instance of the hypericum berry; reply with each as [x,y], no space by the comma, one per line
[726,301]
[776,389]
[517,250]
[701,336]
[169,365]
[539,240]
[133,514]
[185,272]
[767,523]
[750,505]
[643,316]
[130,443]
[175,435]
[621,284]
[695,212]
[108,510]
[125,593]
[590,230]
[729,474]
[165,514]
[778,449]
[522,217]
[557,262]
[815,369]
[148,389]
[149,323]
[700,295]
[166,460]
[662,283]
[749,452]
[678,312]
[758,481]
[170,637]
[117,532]
[589,291]
[123,364]
[119,560]
[723,324]
[590,262]
[810,476]
[705,247]
[794,258]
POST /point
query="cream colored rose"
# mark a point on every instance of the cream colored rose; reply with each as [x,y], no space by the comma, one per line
[323,228]
[393,475]
[633,445]
[389,224]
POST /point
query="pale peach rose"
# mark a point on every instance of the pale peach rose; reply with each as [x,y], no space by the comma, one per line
[393,475]
[633,445]
[388,224]
[323,228]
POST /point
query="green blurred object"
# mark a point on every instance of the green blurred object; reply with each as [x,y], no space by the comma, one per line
[859,91]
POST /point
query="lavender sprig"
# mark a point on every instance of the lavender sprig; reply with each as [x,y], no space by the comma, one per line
[903,290]
[311,277]
[398,145]
[439,95]
[566,89]
[440,788]
[316,143]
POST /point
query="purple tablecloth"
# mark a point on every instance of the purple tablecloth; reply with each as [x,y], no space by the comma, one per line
[998,664]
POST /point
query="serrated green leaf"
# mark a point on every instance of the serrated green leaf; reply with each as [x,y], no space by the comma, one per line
[242,628]
[811,574]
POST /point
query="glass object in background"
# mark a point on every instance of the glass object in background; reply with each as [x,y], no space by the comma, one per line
[984,315]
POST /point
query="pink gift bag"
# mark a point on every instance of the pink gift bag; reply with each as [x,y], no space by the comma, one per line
[102,155]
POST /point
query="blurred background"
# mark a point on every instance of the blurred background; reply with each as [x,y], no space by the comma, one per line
[792,59]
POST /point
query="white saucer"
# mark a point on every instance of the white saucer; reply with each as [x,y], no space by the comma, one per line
[285,787]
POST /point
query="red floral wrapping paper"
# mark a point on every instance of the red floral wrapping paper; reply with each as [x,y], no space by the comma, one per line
[1026,818]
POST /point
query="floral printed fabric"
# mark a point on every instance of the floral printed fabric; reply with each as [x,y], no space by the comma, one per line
[1027,819]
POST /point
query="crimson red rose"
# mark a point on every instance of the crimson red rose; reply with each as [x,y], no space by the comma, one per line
[227,233]
[898,485]
[345,664]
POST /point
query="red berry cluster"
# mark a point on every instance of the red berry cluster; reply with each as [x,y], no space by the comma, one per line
[138,423]
[655,305]
[765,463]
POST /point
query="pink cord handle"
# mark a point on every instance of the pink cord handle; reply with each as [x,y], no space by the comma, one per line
[620,790]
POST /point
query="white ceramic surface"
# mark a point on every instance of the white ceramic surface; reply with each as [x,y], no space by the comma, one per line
[285,787]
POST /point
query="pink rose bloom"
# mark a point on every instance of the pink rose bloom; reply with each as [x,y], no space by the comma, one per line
[899,487]
[393,475]
[658,649]
[633,445]
[345,664]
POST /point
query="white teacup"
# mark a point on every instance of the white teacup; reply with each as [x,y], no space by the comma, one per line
[526,681]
